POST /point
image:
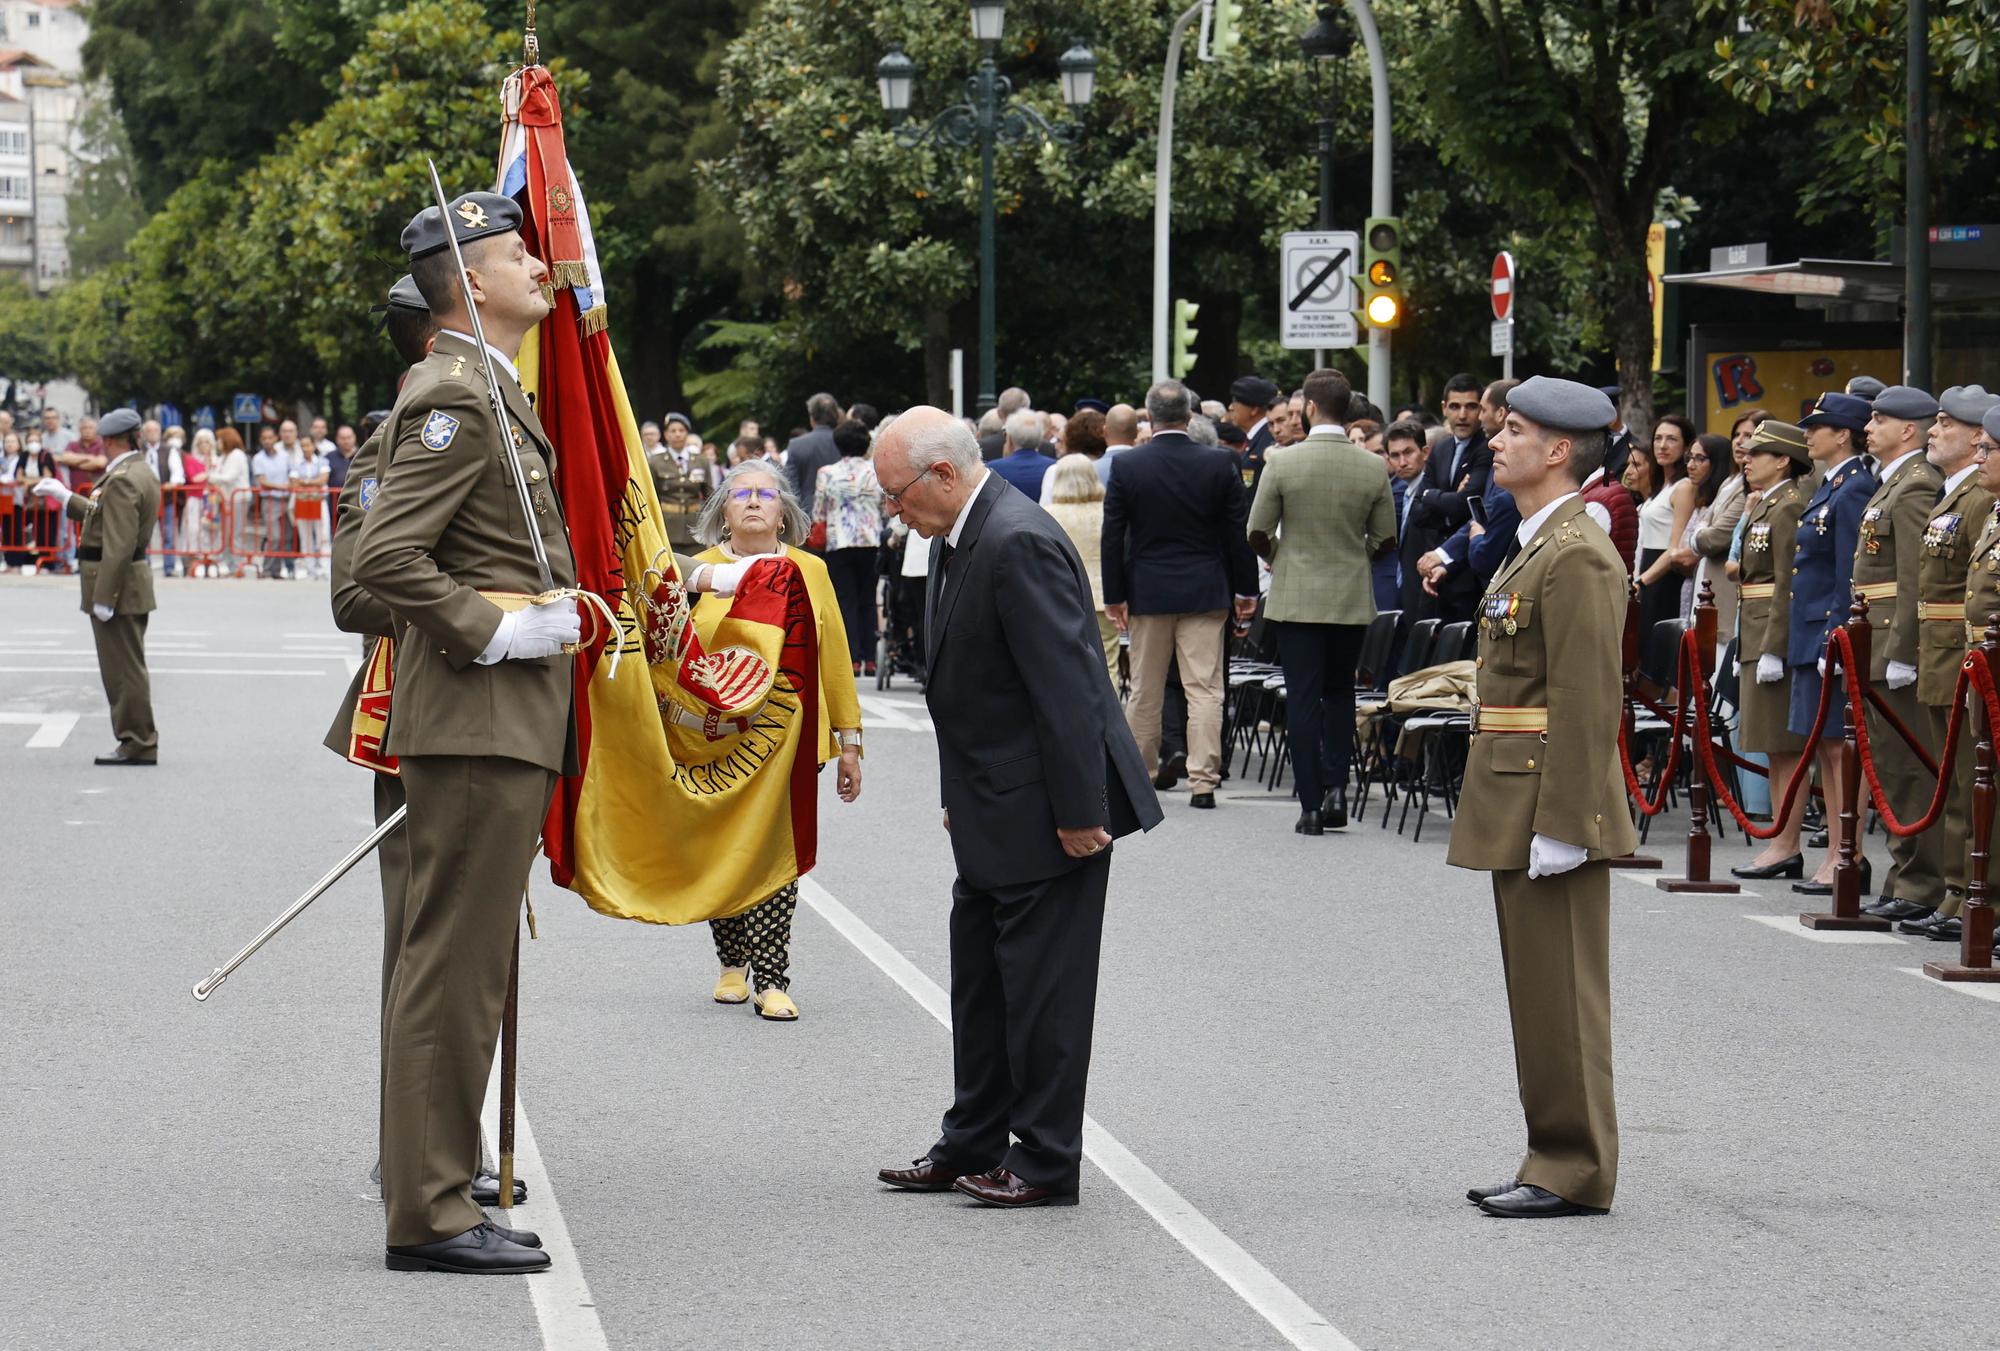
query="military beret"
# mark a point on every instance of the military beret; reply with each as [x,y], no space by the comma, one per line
[473,216]
[1837,410]
[1905,402]
[404,295]
[681,418]
[1563,405]
[1865,386]
[1253,391]
[118,422]
[1092,406]
[1782,437]
[1991,422]
[1967,403]
[1610,392]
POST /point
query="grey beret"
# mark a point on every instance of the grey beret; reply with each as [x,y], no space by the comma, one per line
[1967,403]
[473,216]
[1906,402]
[1991,422]
[1865,386]
[404,295]
[1563,405]
[118,422]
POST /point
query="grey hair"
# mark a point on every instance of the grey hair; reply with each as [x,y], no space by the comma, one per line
[990,422]
[952,442]
[1024,429]
[1012,400]
[1168,405]
[792,523]
[1201,431]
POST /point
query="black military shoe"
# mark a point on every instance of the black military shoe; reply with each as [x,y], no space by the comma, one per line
[486,1190]
[1529,1202]
[1478,1194]
[1309,824]
[114,758]
[1900,910]
[1171,771]
[1920,927]
[1947,930]
[1201,800]
[479,1251]
[1333,808]
[527,1238]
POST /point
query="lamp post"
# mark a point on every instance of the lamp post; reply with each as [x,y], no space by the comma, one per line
[987,118]
[1323,44]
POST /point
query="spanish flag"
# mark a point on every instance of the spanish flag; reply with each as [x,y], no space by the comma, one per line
[698,796]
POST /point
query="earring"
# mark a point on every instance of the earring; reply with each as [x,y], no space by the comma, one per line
[725,531]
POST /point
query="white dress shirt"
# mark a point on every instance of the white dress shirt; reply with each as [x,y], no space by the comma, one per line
[958,526]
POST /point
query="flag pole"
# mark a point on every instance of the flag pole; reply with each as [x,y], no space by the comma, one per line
[531,45]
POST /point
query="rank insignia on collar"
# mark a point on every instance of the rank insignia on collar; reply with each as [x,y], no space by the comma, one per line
[439,429]
[457,366]
[473,214]
[366,497]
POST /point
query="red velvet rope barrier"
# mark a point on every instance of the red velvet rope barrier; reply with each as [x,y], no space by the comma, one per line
[1658,804]
[1719,784]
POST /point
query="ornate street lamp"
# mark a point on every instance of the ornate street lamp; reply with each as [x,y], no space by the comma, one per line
[988,117]
[1323,44]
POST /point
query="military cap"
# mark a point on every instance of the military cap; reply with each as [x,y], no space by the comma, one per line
[118,422]
[681,418]
[1092,406]
[1865,386]
[1562,405]
[1610,392]
[1837,410]
[1967,403]
[475,215]
[1253,391]
[1784,438]
[404,295]
[1991,422]
[1905,402]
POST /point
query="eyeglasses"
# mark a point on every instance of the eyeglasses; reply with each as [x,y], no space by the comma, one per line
[896,497]
[761,494]
[1697,459]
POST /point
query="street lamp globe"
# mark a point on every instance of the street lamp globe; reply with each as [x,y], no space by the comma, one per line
[989,18]
[1079,76]
[895,75]
[1326,40]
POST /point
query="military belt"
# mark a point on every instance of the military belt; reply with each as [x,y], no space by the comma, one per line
[1876,590]
[1490,718]
[1759,590]
[91,553]
[1943,610]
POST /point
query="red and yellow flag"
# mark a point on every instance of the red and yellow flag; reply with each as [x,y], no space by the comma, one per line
[698,794]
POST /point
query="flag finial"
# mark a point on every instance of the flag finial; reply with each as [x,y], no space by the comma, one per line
[531,46]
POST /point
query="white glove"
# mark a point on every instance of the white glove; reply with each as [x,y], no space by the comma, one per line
[1770,670]
[1901,674]
[1547,857]
[536,632]
[724,578]
[101,613]
[53,487]
[1822,668]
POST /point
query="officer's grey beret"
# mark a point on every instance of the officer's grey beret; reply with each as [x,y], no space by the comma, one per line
[473,216]
[1991,422]
[1906,402]
[1563,405]
[1865,386]
[118,422]
[1967,403]
[404,295]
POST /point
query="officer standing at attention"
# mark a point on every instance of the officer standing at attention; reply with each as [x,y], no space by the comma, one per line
[1941,575]
[1982,578]
[1887,559]
[1543,806]
[118,518]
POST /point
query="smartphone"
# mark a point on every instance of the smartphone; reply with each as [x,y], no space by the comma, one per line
[1478,505]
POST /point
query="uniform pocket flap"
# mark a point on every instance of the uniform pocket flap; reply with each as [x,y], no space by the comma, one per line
[1517,754]
[1019,772]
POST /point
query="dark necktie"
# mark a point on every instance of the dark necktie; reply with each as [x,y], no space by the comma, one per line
[941,566]
[1513,550]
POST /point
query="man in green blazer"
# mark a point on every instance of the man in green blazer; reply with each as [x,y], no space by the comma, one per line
[118,518]
[1322,515]
[1543,806]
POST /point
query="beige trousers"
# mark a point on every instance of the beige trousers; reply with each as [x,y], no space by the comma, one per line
[1916,862]
[1107,634]
[1954,826]
[1196,639]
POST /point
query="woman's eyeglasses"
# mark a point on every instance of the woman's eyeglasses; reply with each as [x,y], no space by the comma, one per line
[761,494]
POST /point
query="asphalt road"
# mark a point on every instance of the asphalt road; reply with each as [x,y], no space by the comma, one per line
[1304,1040]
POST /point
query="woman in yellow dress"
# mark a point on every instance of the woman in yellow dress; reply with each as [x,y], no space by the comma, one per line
[751,514]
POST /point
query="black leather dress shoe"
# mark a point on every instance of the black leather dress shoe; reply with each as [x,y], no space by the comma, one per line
[527,1238]
[486,1190]
[114,758]
[1171,771]
[1817,840]
[1478,1194]
[1795,866]
[1001,1188]
[1947,930]
[1826,888]
[1333,808]
[1529,1202]
[1920,927]
[1901,910]
[479,1251]
[925,1175]
[1309,824]
[1205,800]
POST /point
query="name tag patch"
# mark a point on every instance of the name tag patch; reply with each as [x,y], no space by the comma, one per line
[439,429]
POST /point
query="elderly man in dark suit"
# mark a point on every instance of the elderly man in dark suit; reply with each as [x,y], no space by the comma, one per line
[1039,775]
[1175,561]
[806,455]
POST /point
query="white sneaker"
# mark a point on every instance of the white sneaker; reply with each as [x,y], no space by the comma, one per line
[30,570]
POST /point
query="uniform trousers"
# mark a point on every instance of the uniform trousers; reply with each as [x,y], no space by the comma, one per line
[1916,862]
[393,857]
[1319,662]
[473,824]
[1023,1003]
[121,665]
[1195,642]
[1555,947]
[1955,825]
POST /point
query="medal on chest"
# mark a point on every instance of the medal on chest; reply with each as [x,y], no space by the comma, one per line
[1870,544]
[1501,612]
[1760,538]
[1943,530]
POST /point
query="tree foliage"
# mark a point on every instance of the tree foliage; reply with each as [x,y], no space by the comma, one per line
[27,347]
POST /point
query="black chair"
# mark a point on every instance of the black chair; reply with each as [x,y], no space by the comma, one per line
[1451,641]
[1423,642]
[1372,665]
[1418,651]
[1659,669]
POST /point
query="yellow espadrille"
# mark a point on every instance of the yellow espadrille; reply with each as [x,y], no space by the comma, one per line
[733,985]
[777,1006]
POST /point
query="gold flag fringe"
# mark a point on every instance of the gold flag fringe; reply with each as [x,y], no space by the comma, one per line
[594,320]
[569,274]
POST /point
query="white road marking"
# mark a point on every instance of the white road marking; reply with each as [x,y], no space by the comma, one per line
[1978,989]
[1789,924]
[888,715]
[563,1303]
[157,670]
[1274,1301]
[190,650]
[51,729]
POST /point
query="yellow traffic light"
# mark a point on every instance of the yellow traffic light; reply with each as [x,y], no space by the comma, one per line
[1381,272]
[1384,310]
[1382,258]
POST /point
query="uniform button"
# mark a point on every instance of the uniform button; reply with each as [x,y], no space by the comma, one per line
[1479,663]
[1531,764]
[1599,819]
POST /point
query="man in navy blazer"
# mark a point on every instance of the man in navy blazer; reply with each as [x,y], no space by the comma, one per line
[1022,462]
[1175,561]
[1039,775]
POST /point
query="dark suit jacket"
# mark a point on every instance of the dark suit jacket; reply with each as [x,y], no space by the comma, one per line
[1440,501]
[1174,540]
[1030,735]
[805,456]
[1616,454]
[1480,558]
[1254,451]
[1025,470]
[1416,537]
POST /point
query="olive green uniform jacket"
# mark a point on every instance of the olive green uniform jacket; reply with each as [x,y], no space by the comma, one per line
[118,518]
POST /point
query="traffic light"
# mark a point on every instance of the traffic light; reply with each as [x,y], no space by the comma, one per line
[1382,272]
[1184,336]
[1223,34]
